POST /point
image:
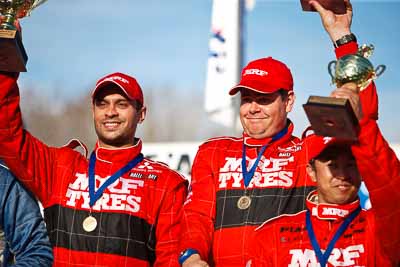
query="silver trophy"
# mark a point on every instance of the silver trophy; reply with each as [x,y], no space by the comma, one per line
[13,57]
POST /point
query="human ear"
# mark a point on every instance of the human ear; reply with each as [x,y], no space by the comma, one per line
[311,172]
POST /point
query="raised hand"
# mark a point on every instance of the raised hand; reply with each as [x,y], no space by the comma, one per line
[336,25]
[350,92]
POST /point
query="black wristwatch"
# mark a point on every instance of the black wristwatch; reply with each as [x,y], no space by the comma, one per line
[345,39]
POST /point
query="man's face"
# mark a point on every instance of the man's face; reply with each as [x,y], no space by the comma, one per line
[264,115]
[116,118]
[337,176]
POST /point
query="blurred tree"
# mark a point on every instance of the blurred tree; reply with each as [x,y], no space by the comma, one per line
[172,116]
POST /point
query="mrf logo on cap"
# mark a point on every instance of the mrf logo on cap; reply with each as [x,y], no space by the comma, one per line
[255,72]
[266,76]
[126,83]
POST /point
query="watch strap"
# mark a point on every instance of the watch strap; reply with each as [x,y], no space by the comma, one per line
[345,39]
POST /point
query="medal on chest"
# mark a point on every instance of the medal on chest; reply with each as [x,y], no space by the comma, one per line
[89,224]
[244,202]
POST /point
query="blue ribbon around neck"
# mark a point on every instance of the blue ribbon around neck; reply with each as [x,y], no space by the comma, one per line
[94,196]
[323,257]
[248,175]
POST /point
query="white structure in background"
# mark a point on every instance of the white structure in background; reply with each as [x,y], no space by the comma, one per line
[179,155]
[224,60]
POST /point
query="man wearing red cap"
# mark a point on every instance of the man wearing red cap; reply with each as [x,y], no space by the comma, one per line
[334,230]
[115,209]
[239,183]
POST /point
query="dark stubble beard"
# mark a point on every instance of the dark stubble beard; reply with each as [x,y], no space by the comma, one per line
[121,140]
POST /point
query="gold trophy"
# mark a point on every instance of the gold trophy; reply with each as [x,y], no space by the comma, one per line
[13,57]
[330,116]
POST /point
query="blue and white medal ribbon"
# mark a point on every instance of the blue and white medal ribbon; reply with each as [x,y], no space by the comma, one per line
[323,257]
[90,222]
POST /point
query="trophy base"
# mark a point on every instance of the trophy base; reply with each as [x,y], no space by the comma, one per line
[13,57]
[336,6]
[330,116]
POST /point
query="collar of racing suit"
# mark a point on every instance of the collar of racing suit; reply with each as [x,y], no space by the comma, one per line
[326,211]
[118,155]
[249,141]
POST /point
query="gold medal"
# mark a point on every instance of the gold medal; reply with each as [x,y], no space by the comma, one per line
[89,224]
[244,202]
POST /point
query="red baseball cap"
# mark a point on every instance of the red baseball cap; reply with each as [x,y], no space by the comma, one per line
[316,144]
[265,75]
[128,85]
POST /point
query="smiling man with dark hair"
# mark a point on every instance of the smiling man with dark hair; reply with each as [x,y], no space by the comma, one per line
[116,208]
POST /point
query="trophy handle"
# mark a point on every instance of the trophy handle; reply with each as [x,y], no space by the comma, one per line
[331,70]
[8,21]
[379,70]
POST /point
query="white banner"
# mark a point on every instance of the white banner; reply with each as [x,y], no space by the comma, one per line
[224,60]
[179,156]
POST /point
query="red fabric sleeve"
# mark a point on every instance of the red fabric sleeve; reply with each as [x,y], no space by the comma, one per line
[27,157]
[369,102]
[346,49]
[199,208]
[168,227]
[380,169]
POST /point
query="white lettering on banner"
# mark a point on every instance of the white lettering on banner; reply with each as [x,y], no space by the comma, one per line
[307,258]
[270,174]
[256,72]
[334,211]
[119,196]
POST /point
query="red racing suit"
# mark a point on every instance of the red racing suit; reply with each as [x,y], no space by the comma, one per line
[373,237]
[211,212]
[212,223]
[137,216]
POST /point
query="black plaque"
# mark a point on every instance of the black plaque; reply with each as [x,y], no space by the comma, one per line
[330,116]
[13,57]
[336,6]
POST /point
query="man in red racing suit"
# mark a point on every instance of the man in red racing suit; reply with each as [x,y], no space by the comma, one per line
[334,230]
[132,220]
[372,238]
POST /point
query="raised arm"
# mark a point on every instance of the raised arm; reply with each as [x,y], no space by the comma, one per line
[380,170]
[338,27]
[27,157]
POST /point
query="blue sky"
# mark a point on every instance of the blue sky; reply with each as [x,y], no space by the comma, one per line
[165,44]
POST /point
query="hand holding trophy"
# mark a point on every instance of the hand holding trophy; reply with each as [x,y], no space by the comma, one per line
[330,116]
[13,57]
